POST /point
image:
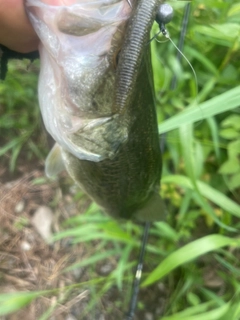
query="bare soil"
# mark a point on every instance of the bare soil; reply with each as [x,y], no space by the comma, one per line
[28,263]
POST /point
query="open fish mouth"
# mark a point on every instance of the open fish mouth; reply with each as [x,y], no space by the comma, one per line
[79,57]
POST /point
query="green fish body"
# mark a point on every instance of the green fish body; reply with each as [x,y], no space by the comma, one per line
[97,99]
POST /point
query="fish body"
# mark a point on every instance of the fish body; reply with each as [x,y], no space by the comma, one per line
[97,100]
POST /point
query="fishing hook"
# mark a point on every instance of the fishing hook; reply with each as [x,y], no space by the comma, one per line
[164,15]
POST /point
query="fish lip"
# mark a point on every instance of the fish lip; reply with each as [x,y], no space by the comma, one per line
[130,57]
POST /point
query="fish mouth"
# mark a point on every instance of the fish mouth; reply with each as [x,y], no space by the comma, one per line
[90,55]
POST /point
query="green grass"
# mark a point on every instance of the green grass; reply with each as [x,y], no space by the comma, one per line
[20,122]
[201,174]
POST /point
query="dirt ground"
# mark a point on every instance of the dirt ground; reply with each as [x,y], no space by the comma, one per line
[29,263]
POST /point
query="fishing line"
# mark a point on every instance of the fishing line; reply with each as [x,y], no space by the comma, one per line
[161,41]
[164,16]
[189,63]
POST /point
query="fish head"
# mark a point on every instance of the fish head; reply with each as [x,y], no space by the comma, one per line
[79,50]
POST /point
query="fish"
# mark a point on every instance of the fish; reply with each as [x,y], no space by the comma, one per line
[96,96]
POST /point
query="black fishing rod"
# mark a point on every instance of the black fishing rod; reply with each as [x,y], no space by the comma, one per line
[179,56]
[138,273]
[164,16]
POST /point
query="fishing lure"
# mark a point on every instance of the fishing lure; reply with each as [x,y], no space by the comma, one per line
[164,16]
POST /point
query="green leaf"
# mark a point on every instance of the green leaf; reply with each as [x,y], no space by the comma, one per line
[207,191]
[232,121]
[186,138]
[228,30]
[234,181]
[11,144]
[222,34]
[207,63]
[214,131]
[229,133]
[93,259]
[11,302]
[234,149]
[229,167]
[122,265]
[234,10]
[221,103]
[189,252]
[214,314]
[201,308]
[166,231]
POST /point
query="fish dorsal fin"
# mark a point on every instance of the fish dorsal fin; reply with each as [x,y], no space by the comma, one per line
[153,210]
[54,163]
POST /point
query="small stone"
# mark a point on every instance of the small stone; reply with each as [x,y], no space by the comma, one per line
[105,269]
[70,317]
[148,316]
[77,273]
[161,287]
[19,206]
[42,221]
[25,246]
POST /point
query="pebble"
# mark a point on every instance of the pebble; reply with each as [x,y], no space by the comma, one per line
[42,221]
[105,269]
[19,206]
[148,316]
[25,246]
[70,317]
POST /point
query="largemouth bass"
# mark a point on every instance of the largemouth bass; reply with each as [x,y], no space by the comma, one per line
[97,100]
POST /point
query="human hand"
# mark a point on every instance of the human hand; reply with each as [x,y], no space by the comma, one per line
[16,32]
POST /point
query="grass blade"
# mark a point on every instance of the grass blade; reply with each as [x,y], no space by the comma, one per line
[223,102]
[207,191]
[187,253]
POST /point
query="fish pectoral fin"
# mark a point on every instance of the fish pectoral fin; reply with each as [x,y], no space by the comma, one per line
[153,210]
[54,163]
